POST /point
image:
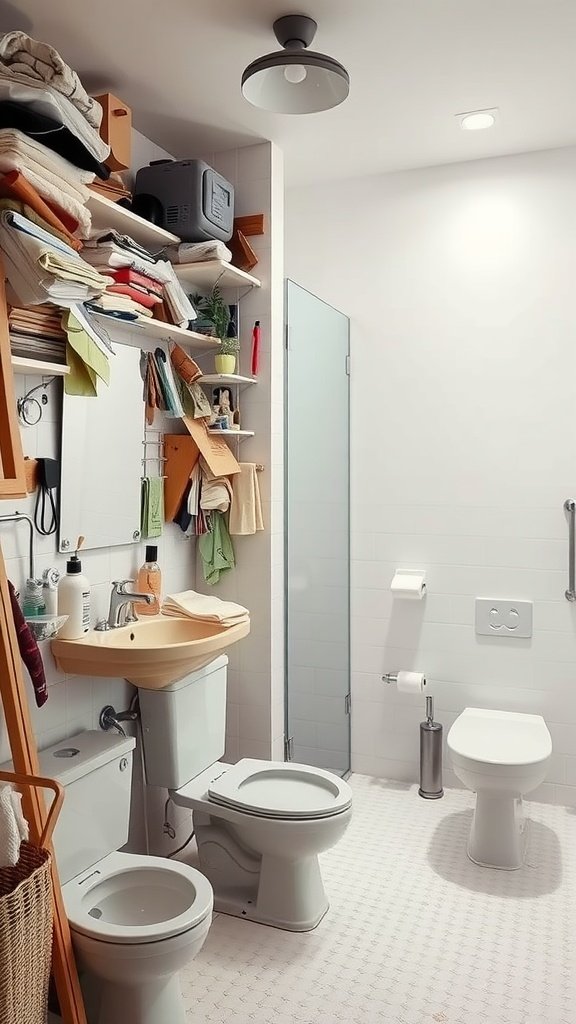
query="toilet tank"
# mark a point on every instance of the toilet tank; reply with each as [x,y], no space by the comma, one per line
[184,725]
[96,770]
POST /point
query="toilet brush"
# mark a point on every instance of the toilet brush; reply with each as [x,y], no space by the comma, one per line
[430,755]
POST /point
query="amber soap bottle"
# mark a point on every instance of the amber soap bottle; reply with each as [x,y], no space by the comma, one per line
[150,582]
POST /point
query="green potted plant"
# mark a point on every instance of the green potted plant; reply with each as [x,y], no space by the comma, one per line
[214,317]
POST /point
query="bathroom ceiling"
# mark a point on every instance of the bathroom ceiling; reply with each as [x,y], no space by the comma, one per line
[413,64]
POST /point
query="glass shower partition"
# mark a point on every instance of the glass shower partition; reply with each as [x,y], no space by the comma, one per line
[317,532]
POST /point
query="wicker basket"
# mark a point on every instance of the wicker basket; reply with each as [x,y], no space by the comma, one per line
[25,937]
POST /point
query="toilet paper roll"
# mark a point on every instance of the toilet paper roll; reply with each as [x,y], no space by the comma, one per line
[411,585]
[411,682]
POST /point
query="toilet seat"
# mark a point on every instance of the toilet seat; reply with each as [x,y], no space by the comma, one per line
[273,789]
[499,742]
[127,899]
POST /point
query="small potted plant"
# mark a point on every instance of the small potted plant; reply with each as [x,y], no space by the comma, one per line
[215,318]
[225,359]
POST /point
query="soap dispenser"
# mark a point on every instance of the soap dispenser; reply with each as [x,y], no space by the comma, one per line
[74,599]
[150,582]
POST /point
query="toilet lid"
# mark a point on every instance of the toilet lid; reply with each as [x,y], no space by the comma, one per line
[273,789]
[500,737]
[126,898]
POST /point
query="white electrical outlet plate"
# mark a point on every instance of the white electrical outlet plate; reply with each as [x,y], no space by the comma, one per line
[498,617]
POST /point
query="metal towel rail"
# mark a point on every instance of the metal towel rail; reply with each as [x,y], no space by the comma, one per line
[18,517]
[570,508]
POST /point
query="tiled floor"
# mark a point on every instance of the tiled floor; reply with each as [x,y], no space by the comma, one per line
[415,934]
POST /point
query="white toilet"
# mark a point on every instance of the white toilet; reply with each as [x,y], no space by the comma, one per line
[259,825]
[501,755]
[135,920]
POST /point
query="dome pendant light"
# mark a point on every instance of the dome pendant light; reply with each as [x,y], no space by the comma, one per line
[295,80]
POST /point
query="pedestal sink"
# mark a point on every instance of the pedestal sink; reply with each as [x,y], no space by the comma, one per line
[150,653]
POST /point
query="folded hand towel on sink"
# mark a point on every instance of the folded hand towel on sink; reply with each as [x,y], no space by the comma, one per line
[202,606]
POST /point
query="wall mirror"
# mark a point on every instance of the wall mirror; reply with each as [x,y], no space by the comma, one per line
[102,459]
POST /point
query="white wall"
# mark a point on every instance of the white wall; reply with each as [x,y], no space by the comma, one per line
[460,283]
[255,720]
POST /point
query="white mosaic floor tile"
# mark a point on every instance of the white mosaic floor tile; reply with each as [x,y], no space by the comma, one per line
[416,933]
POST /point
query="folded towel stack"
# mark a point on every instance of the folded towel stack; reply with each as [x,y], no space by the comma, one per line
[191,605]
[50,151]
[139,278]
[13,826]
[199,252]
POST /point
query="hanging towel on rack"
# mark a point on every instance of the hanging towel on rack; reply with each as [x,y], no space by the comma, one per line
[29,650]
[216,550]
[86,360]
[246,509]
[152,506]
[13,826]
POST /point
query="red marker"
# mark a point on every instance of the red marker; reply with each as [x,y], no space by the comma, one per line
[256,348]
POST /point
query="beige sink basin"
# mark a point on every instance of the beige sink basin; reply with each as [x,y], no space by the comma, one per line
[150,653]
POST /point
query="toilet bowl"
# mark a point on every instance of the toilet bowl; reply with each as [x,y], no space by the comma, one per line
[260,826]
[135,922]
[502,756]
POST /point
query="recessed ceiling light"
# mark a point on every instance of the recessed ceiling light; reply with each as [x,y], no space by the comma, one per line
[476,120]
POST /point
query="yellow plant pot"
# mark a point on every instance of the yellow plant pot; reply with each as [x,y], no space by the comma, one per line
[225,363]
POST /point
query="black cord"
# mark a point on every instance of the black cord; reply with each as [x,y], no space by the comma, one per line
[183,847]
[43,494]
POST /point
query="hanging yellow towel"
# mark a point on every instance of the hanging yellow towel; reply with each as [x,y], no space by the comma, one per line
[246,507]
[87,362]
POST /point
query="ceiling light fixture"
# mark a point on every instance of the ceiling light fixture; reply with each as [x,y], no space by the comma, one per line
[477,120]
[295,80]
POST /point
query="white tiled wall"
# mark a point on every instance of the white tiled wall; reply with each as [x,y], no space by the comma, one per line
[459,281]
[255,726]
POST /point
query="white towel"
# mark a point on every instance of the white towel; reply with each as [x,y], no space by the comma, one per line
[199,252]
[28,148]
[246,509]
[13,826]
[45,100]
[43,65]
[191,605]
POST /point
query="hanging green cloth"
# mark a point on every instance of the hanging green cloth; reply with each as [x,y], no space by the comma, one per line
[216,549]
[86,360]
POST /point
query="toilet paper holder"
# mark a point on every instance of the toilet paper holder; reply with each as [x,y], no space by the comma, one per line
[392,677]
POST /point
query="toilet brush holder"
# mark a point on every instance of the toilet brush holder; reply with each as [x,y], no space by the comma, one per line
[430,755]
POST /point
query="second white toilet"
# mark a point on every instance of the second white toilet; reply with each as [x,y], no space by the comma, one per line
[501,755]
[259,825]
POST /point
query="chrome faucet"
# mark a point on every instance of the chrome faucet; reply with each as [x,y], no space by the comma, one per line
[122,605]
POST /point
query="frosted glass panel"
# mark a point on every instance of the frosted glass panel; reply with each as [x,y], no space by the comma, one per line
[317,531]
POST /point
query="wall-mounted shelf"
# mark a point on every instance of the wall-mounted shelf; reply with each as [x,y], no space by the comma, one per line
[147,333]
[211,272]
[106,214]
[39,367]
[231,379]
[241,435]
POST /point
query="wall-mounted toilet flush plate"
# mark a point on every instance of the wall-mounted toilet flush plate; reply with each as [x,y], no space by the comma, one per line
[497,617]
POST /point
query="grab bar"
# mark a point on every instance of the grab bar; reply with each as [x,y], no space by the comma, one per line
[570,508]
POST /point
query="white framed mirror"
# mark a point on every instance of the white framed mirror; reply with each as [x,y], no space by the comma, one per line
[102,455]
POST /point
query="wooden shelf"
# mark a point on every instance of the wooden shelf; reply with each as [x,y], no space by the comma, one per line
[41,367]
[211,272]
[147,333]
[233,379]
[106,214]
